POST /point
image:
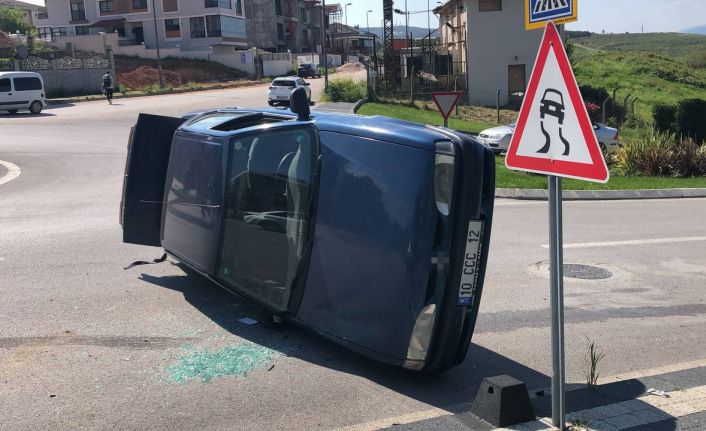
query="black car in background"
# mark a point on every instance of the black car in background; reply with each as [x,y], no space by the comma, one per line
[308,70]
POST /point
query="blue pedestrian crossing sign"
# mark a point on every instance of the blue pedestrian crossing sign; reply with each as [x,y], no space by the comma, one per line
[538,12]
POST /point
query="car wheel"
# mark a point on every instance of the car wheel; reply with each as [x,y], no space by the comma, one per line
[36,107]
[604,149]
[12,111]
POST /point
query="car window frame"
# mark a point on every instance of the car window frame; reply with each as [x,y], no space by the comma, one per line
[9,80]
[33,78]
[299,283]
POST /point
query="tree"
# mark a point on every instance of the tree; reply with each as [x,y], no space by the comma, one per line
[12,19]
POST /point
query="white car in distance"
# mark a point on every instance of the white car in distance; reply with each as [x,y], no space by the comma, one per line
[498,138]
[281,90]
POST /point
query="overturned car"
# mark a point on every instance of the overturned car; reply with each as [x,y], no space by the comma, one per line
[373,232]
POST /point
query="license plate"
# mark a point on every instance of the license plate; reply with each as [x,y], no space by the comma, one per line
[471,264]
[282,97]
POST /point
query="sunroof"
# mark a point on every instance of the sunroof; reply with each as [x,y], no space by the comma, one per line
[227,121]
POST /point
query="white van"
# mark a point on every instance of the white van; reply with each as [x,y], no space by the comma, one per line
[22,90]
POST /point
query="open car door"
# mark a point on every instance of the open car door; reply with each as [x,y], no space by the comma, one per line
[145,172]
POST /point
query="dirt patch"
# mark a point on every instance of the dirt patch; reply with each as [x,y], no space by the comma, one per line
[145,76]
[350,68]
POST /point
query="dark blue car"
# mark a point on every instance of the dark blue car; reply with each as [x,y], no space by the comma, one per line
[373,232]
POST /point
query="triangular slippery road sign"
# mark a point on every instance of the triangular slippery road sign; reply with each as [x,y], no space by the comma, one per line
[554,134]
[446,101]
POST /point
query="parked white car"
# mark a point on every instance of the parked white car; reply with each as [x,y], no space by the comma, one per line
[498,138]
[607,137]
[22,90]
[281,89]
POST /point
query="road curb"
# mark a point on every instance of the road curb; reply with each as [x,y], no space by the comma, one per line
[66,100]
[588,195]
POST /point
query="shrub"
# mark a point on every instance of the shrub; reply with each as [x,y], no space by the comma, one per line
[657,153]
[632,121]
[649,154]
[697,60]
[664,116]
[594,111]
[346,90]
[690,119]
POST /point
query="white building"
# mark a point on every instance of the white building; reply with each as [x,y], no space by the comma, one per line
[501,52]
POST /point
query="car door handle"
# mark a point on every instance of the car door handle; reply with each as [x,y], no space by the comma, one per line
[9,94]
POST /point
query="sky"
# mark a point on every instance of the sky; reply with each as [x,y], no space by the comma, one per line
[613,16]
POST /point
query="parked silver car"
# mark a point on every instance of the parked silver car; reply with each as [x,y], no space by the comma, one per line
[498,138]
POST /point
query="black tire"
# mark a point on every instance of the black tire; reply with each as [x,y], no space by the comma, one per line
[271,103]
[36,107]
[12,111]
[604,149]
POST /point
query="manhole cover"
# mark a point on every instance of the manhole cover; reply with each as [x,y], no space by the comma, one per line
[586,272]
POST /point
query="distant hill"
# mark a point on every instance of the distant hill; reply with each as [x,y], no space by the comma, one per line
[695,30]
[671,44]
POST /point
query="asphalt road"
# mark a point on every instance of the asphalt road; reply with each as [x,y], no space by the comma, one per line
[85,344]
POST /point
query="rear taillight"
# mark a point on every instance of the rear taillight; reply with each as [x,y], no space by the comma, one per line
[272,88]
[617,135]
[444,175]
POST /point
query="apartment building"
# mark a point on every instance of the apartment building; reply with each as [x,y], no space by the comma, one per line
[190,25]
[285,25]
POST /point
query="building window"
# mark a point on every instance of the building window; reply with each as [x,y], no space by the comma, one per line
[42,13]
[198,27]
[170,5]
[223,4]
[81,30]
[78,11]
[106,6]
[278,7]
[280,31]
[139,4]
[44,33]
[225,26]
[58,31]
[239,7]
[490,5]
[172,29]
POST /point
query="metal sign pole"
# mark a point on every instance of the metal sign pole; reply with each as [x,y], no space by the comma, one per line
[446,122]
[556,269]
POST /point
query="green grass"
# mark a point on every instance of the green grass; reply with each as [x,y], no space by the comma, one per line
[669,44]
[651,77]
[506,178]
[420,116]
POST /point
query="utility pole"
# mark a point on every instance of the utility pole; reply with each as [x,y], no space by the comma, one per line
[345,46]
[367,22]
[323,39]
[156,40]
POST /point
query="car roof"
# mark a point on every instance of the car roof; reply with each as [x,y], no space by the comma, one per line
[367,127]
[19,74]
[287,78]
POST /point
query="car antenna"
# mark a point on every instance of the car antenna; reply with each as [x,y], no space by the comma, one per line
[300,104]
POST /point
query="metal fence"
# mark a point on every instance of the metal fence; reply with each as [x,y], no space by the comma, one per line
[36,63]
[427,67]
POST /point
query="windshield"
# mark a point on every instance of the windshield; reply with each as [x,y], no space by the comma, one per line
[267,204]
[282,83]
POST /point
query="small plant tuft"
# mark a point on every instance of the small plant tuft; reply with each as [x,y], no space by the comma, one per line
[595,356]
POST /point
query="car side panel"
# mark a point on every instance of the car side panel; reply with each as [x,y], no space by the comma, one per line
[370,261]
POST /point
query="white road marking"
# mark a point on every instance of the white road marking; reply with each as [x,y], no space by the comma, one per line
[13,171]
[633,242]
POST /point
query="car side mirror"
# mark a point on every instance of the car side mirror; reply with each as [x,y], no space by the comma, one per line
[300,104]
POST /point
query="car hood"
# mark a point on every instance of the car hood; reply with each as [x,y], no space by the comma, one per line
[500,130]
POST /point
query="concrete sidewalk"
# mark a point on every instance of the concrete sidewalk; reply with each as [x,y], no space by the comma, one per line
[625,405]
[339,107]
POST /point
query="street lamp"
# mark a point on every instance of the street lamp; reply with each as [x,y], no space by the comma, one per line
[367,21]
[156,40]
[345,15]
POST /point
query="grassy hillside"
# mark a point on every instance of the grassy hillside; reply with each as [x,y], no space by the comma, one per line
[670,44]
[657,68]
